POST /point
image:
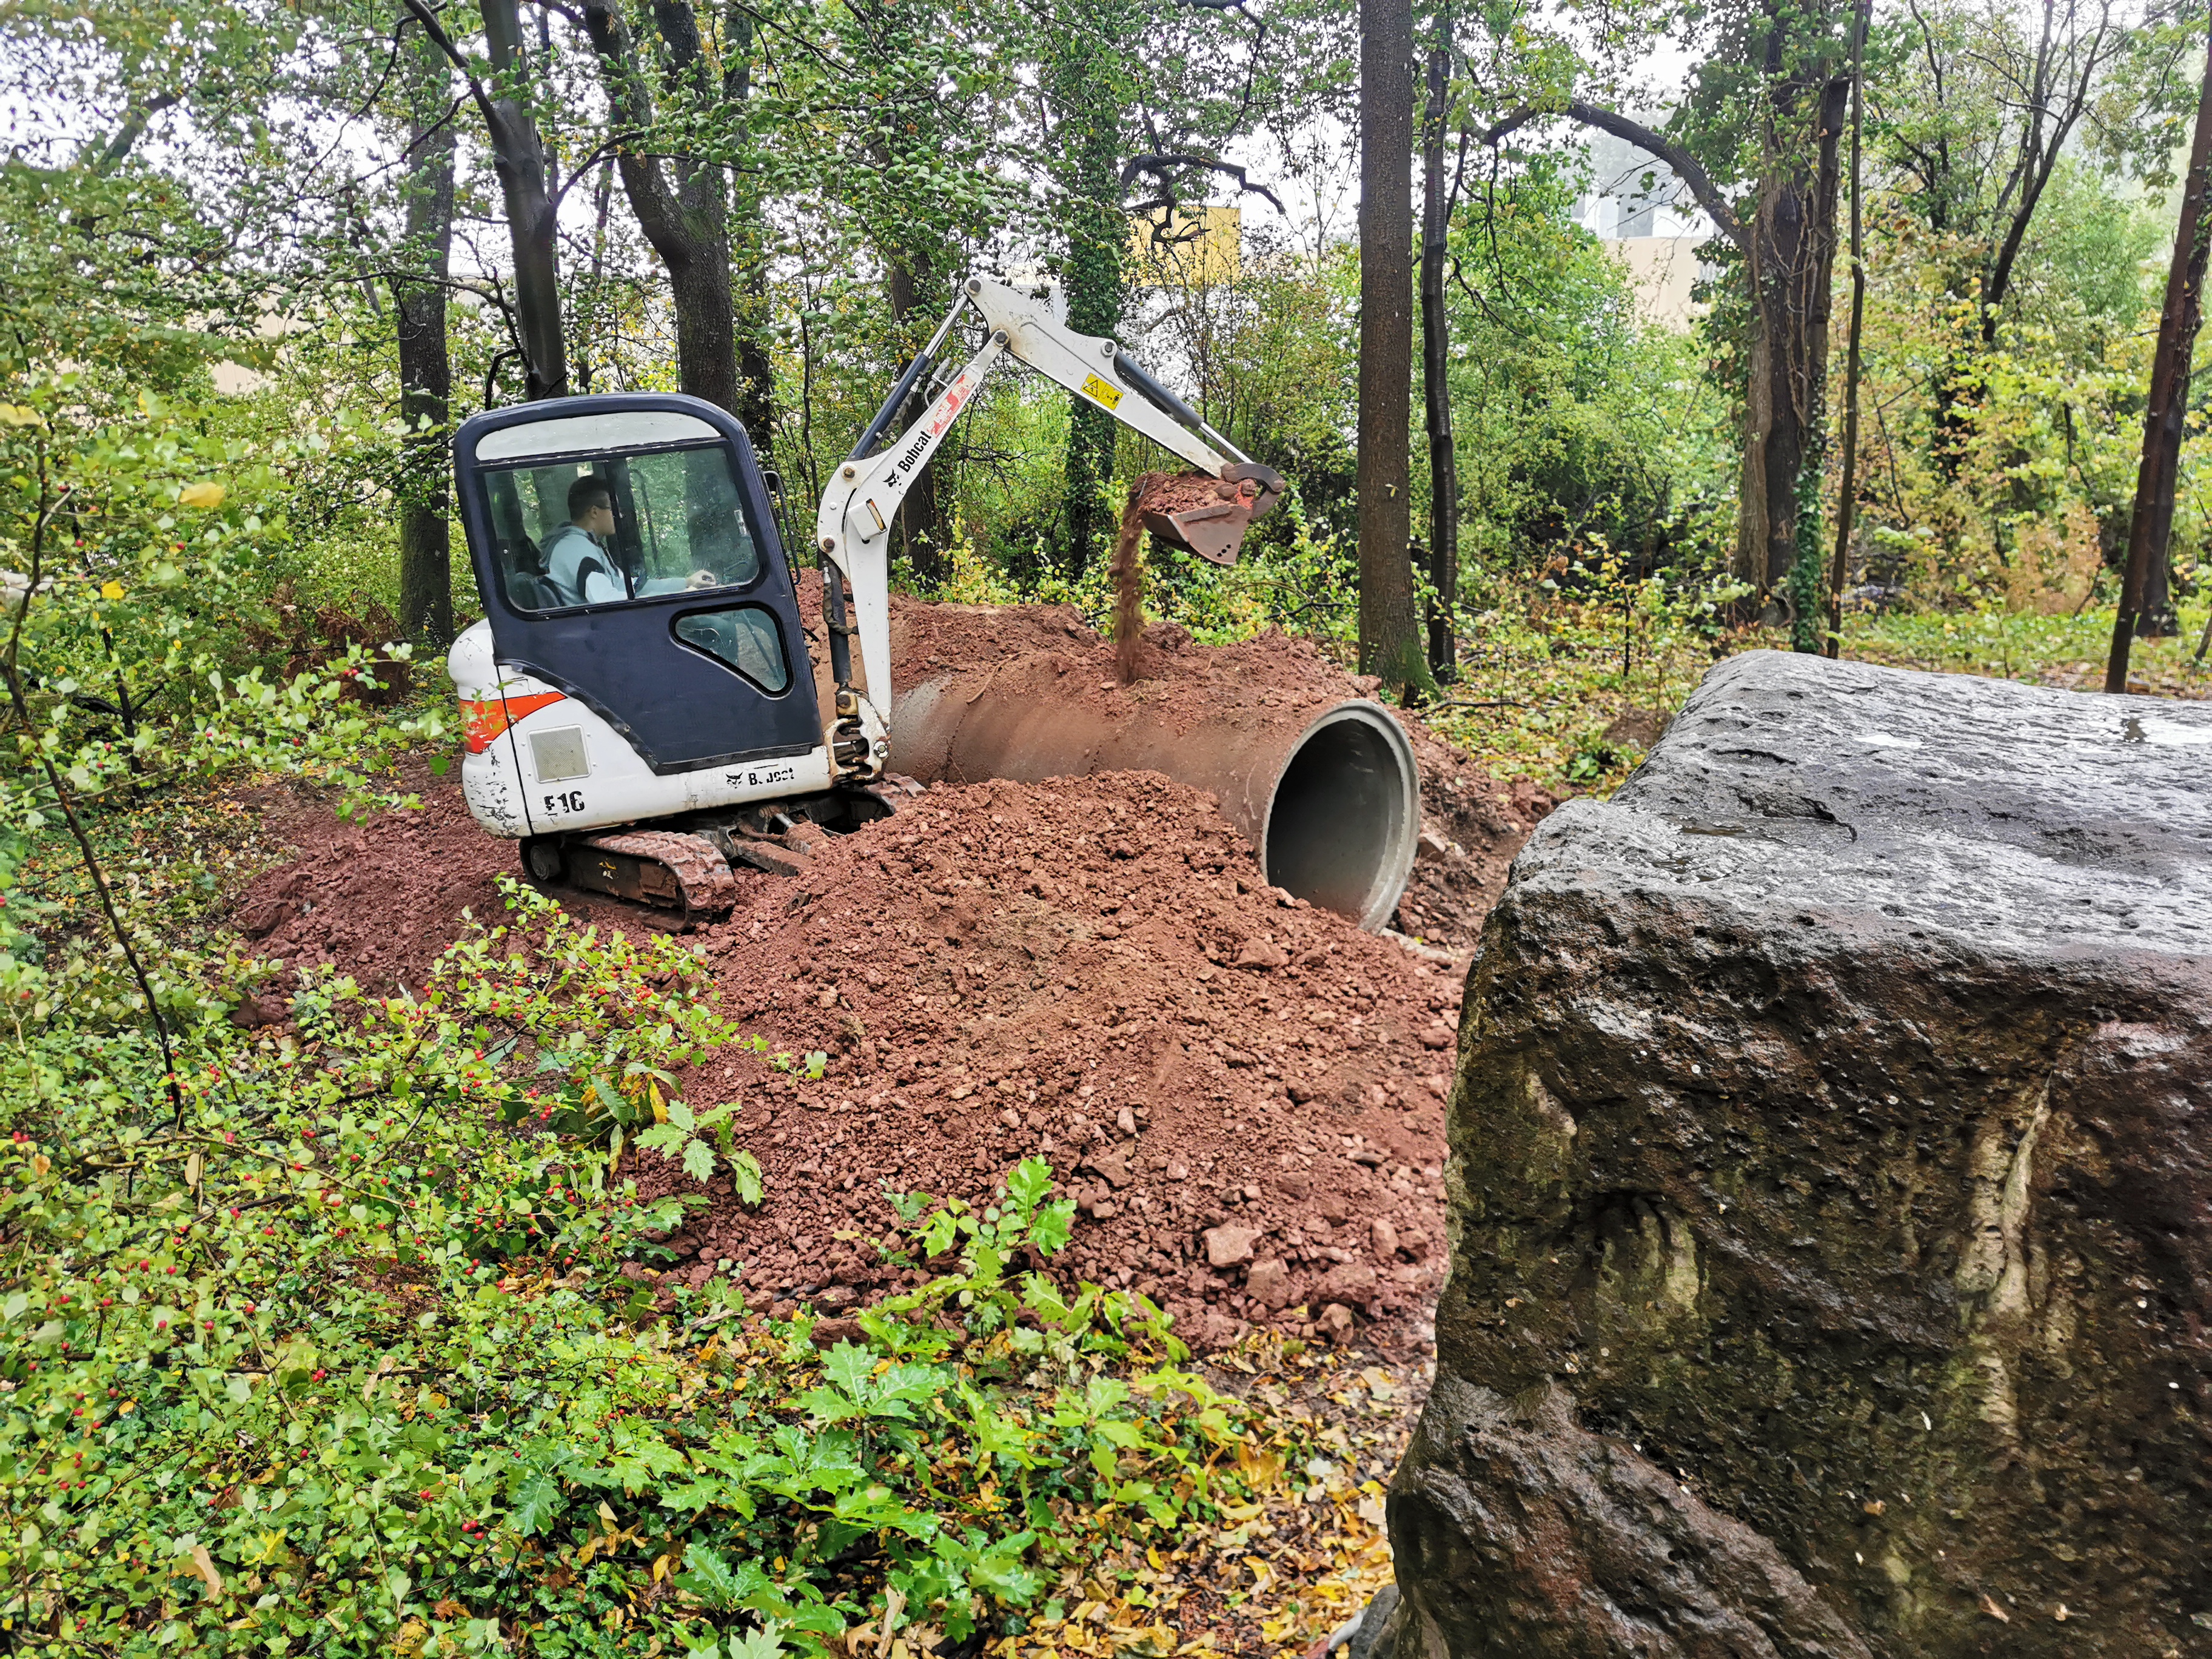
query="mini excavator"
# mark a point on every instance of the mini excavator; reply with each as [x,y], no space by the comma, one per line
[639,706]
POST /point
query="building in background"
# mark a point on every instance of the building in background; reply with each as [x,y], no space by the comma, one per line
[1647,219]
[1187,247]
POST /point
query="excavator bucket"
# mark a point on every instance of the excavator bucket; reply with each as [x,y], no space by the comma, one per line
[1208,516]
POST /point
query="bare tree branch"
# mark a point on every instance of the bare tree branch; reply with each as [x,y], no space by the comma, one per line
[133,128]
[1684,165]
[1160,165]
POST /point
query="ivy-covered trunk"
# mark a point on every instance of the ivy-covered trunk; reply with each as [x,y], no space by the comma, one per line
[921,518]
[756,407]
[1086,80]
[426,370]
[518,159]
[1792,246]
[687,220]
[1435,358]
[2143,599]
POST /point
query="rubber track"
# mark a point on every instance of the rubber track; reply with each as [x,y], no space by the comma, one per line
[710,889]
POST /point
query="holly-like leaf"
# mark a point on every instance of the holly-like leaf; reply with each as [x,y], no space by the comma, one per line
[827,1405]
[765,1642]
[1031,1180]
[848,1365]
[712,1579]
[745,1172]
[1050,1228]
[536,1501]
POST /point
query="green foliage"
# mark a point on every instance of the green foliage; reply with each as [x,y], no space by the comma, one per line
[1577,428]
[347,1346]
[1548,684]
[140,653]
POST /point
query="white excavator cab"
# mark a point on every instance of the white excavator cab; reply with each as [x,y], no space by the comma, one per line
[641,660]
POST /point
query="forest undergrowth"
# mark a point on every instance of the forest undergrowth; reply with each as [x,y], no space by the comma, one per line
[325,1338]
[1570,696]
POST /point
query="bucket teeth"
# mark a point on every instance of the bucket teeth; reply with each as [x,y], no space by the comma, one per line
[1214,533]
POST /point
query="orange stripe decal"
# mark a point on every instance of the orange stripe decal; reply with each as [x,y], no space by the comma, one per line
[482,722]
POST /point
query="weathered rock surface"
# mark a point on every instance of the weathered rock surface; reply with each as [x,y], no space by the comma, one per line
[1832,1194]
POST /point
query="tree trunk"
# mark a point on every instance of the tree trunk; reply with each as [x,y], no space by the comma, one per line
[2151,529]
[1389,641]
[1788,245]
[1094,278]
[756,368]
[1792,243]
[921,522]
[1436,362]
[426,372]
[1847,497]
[688,222]
[518,159]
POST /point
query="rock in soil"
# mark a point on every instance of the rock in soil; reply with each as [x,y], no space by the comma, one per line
[1832,1160]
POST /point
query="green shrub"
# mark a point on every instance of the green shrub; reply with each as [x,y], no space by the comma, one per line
[347,1349]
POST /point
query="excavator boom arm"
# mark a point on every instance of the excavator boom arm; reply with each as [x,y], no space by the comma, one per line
[852,528]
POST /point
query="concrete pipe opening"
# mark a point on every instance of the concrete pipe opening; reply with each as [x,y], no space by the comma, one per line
[1341,828]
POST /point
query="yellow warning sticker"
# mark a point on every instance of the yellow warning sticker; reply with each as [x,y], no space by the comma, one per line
[1095,388]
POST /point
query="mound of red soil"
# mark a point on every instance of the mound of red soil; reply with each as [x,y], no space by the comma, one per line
[379,900]
[1246,1093]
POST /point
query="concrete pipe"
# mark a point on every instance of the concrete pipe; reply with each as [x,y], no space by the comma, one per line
[1328,794]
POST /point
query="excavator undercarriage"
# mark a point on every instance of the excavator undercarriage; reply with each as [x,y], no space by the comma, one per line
[691,865]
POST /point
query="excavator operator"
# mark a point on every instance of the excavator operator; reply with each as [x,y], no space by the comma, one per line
[578,565]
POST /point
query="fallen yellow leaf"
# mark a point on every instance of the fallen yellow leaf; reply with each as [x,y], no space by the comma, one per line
[893,1605]
[1261,1468]
[204,1564]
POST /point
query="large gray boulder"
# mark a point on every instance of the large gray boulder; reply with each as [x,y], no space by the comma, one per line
[1832,1194]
